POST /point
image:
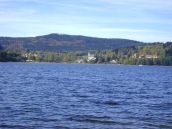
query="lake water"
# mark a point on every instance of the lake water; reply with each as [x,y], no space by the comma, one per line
[82,96]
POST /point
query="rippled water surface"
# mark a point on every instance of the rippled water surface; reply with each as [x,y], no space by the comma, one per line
[73,96]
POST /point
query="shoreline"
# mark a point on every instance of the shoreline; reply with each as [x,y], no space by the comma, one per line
[85,63]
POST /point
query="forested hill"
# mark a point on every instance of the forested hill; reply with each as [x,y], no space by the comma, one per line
[57,42]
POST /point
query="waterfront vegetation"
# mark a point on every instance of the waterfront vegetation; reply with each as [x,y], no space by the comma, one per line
[12,56]
[147,54]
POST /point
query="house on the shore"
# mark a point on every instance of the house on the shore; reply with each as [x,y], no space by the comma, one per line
[146,56]
[91,57]
[27,55]
[80,61]
[151,56]
[113,62]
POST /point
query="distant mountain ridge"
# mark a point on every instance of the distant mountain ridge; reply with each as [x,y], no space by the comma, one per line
[63,42]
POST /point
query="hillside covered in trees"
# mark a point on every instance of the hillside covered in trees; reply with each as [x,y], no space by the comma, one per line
[57,42]
[147,54]
[81,49]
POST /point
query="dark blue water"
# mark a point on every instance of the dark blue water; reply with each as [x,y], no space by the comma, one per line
[62,96]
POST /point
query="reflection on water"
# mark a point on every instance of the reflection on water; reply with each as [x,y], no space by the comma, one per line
[62,96]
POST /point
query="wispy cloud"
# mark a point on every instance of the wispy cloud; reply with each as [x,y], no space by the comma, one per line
[103,18]
[151,4]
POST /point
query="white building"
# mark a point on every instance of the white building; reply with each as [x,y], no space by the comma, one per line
[91,57]
[80,61]
[151,56]
[113,62]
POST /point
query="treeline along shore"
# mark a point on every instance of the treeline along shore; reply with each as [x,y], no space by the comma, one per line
[142,54]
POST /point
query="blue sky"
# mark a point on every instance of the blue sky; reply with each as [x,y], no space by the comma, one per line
[143,20]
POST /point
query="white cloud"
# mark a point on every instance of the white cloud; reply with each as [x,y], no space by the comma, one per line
[140,5]
[102,18]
